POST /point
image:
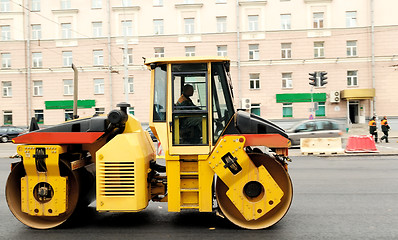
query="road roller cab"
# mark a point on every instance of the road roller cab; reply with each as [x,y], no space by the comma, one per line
[211,151]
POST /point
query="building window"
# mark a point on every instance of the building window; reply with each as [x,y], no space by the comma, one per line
[190,51]
[35,6]
[159,51]
[130,85]
[99,111]
[66,30]
[39,115]
[222,50]
[285,21]
[98,57]
[7,116]
[129,56]
[286,50]
[321,110]
[254,53]
[127,27]
[99,86]
[97,29]
[131,111]
[127,3]
[96,3]
[255,109]
[351,48]
[36,31]
[157,3]
[319,50]
[158,26]
[287,81]
[253,22]
[6,60]
[7,89]
[351,18]
[65,4]
[4,5]
[254,80]
[221,24]
[189,24]
[37,60]
[68,87]
[287,110]
[37,88]
[67,58]
[5,33]
[318,20]
[68,114]
[352,78]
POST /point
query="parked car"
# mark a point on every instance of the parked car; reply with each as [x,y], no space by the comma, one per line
[9,132]
[317,128]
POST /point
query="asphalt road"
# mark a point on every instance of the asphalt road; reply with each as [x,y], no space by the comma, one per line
[346,197]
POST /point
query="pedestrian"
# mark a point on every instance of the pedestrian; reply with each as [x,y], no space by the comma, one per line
[373,128]
[385,128]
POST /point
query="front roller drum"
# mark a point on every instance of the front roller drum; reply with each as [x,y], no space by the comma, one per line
[281,177]
[78,182]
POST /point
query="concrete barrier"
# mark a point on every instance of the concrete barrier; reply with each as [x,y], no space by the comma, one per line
[325,146]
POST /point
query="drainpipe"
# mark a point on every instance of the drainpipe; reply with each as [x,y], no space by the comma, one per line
[28,68]
[110,56]
[238,49]
[373,53]
[75,91]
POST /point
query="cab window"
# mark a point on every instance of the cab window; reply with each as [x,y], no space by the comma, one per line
[160,91]
[190,105]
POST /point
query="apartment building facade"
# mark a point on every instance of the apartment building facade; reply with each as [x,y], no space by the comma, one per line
[273,46]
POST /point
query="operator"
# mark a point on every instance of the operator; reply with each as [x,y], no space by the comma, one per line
[373,128]
[190,127]
[187,92]
[384,128]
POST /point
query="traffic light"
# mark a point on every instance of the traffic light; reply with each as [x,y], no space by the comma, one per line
[312,79]
[323,78]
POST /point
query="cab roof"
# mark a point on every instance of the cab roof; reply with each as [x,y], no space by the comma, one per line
[163,60]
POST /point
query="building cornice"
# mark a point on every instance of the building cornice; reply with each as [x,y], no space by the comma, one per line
[318,1]
[188,5]
[252,3]
[67,11]
[131,8]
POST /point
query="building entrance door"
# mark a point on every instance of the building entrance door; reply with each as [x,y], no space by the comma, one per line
[354,111]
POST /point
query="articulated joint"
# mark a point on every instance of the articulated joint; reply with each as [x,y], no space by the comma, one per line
[43,190]
[252,189]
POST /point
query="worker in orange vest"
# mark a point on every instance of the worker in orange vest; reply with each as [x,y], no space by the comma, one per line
[384,127]
[373,128]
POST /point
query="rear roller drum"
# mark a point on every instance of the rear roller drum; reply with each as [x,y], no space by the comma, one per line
[255,190]
[74,190]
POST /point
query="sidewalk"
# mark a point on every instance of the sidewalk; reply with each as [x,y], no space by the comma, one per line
[384,148]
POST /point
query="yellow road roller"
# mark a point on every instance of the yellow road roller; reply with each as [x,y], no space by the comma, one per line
[217,159]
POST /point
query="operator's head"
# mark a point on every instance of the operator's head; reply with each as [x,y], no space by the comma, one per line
[385,117]
[187,90]
[373,118]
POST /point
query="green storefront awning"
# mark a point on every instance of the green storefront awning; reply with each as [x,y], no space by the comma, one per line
[300,97]
[68,104]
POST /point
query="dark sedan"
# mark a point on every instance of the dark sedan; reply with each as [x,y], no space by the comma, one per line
[9,132]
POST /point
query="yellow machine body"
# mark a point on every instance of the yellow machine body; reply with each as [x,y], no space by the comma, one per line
[250,208]
[30,204]
[122,169]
